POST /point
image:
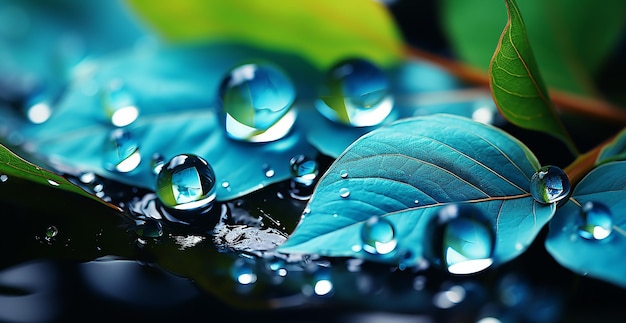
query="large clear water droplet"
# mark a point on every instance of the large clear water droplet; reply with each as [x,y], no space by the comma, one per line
[51,232]
[549,184]
[356,93]
[464,239]
[379,236]
[597,221]
[119,104]
[186,182]
[121,151]
[256,101]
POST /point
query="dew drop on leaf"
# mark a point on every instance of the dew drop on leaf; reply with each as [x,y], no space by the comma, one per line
[344,192]
[121,151]
[597,221]
[356,93]
[256,103]
[156,163]
[243,272]
[119,104]
[343,173]
[378,236]
[464,239]
[186,182]
[4,178]
[148,228]
[268,171]
[549,184]
[51,232]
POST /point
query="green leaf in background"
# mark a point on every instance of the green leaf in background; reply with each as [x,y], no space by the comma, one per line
[322,32]
[12,165]
[598,256]
[406,172]
[516,84]
[571,39]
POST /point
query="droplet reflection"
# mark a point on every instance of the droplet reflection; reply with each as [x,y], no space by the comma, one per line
[464,239]
[256,101]
[356,93]
[121,151]
[549,184]
[378,236]
[186,182]
[597,221]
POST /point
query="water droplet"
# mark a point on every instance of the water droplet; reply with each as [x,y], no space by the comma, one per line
[268,171]
[416,202]
[356,93]
[597,221]
[186,182]
[243,272]
[121,151]
[118,104]
[148,228]
[256,101]
[344,192]
[343,173]
[464,239]
[304,170]
[549,184]
[51,232]
[379,236]
[4,178]
[53,183]
[156,163]
[88,177]
[225,184]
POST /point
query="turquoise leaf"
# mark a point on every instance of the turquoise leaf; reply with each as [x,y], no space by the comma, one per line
[601,257]
[406,172]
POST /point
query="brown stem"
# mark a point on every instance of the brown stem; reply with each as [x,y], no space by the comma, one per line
[564,101]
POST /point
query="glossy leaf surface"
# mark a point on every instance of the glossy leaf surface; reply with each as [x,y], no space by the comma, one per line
[615,150]
[602,259]
[407,171]
[11,165]
[516,84]
[322,32]
[569,53]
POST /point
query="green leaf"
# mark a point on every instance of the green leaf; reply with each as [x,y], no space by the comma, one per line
[407,171]
[516,84]
[569,53]
[602,259]
[11,165]
[322,32]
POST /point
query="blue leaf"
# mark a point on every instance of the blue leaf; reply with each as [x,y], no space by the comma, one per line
[175,90]
[603,257]
[616,150]
[407,172]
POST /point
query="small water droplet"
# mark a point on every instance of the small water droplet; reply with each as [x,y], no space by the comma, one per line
[156,163]
[186,182]
[343,173]
[243,272]
[53,183]
[256,103]
[118,104]
[88,177]
[356,93]
[344,192]
[597,221]
[51,232]
[464,239]
[121,152]
[378,236]
[416,202]
[4,178]
[148,228]
[549,184]
[268,171]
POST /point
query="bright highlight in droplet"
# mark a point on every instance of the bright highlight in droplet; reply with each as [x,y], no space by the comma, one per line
[39,113]
[323,287]
[125,116]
